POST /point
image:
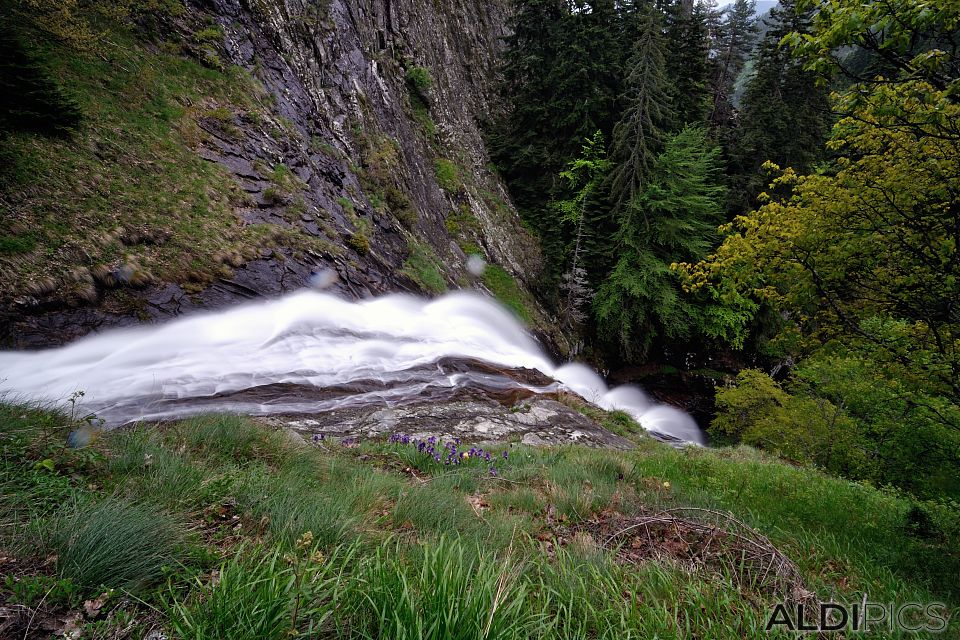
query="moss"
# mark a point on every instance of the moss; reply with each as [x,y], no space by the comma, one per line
[448,176]
[505,288]
[421,266]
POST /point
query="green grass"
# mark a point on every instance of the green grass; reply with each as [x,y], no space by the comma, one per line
[112,543]
[255,536]
[505,288]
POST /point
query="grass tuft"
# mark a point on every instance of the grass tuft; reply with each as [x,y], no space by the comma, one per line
[113,543]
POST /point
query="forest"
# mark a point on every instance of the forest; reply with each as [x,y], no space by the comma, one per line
[782,186]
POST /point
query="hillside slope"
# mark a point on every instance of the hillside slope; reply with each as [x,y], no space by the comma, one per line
[221,527]
[233,149]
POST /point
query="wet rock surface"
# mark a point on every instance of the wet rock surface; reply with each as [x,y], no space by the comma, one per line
[536,422]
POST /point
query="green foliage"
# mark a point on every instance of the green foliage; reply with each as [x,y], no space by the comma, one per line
[34,591]
[505,289]
[448,175]
[913,39]
[229,437]
[563,81]
[685,39]
[784,113]
[112,543]
[735,43]
[419,82]
[447,591]
[637,138]
[420,79]
[252,600]
[674,216]
[422,266]
[757,411]
[91,195]
[392,571]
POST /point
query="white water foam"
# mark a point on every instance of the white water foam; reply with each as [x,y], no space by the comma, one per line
[307,338]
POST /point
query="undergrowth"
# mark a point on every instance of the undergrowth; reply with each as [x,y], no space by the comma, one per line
[219,527]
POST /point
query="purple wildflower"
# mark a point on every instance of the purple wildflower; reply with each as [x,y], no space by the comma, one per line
[493,471]
[505,455]
[487,457]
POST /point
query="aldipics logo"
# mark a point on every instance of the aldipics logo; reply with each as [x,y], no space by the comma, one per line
[909,617]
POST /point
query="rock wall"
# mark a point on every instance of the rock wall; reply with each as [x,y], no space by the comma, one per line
[362,144]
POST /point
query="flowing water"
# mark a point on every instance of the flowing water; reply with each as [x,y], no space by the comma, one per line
[310,352]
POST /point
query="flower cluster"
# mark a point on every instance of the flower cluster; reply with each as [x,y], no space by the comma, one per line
[447,453]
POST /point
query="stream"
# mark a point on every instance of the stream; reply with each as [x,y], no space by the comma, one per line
[312,352]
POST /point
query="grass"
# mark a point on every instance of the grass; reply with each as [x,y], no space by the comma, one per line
[448,175]
[112,543]
[226,528]
[251,601]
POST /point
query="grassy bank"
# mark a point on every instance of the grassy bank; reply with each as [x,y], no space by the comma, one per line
[220,527]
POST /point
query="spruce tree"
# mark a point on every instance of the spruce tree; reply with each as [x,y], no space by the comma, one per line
[637,138]
[673,220]
[687,64]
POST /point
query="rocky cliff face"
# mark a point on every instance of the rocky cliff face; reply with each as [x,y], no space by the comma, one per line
[371,145]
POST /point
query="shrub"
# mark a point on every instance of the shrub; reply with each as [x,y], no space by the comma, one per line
[113,543]
[419,79]
[360,242]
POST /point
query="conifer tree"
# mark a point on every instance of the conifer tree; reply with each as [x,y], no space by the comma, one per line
[785,113]
[638,136]
[687,65]
[674,217]
[734,43]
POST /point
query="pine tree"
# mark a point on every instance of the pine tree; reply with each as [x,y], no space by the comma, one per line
[637,138]
[785,113]
[585,178]
[562,81]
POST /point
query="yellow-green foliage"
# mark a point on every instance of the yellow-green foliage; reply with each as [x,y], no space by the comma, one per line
[360,242]
[759,412]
